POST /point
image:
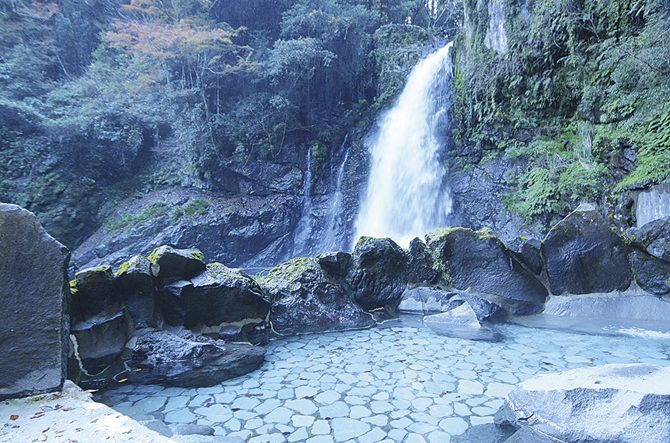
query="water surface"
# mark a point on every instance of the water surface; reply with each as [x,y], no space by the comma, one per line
[397,382]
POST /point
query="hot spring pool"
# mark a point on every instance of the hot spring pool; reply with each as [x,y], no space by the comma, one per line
[398,382]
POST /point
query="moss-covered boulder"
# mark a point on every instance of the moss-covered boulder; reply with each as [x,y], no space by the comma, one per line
[175,264]
[305,298]
[93,293]
[134,281]
[421,268]
[378,274]
[214,298]
[478,261]
[584,255]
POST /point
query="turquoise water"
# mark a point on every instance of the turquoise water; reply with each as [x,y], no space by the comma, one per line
[399,382]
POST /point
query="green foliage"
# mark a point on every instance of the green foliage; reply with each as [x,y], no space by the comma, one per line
[653,155]
[128,221]
[538,195]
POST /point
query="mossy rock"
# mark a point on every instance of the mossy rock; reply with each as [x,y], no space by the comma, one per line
[172,264]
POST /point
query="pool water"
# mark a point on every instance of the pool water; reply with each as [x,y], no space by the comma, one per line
[399,382]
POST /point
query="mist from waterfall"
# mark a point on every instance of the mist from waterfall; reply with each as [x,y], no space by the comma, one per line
[303,231]
[652,205]
[406,192]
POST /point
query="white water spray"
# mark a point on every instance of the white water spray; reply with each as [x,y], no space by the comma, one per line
[652,205]
[303,231]
[333,239]
[406,194]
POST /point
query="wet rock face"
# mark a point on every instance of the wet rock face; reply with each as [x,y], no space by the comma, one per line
[652,274]
[378,275]
[623,403]
[186,360]
[100,339]
[245,230]
[421,269]
[135,284]
[654,238]
[34,303]
[479,262]
[93,292]
[216,296]
[584,256]
[307,299]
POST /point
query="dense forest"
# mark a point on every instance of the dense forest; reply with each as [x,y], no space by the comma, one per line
[102,101]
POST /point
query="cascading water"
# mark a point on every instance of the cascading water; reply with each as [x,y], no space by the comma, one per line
[406,193]
[333,239]
[304,229]
[652,205]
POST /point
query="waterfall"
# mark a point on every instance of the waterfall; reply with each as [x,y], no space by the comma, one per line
[303,231]
[406,193]
[652,205]
[333,239]
[496,37]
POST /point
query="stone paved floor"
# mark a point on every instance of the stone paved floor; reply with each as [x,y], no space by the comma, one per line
[395,383]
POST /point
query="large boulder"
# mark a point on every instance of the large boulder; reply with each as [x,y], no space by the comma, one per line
[305,298]
[528,252]
[478,261]
[134,281]
[611,403]
[378,273]
[174,264]
[462,321]
[183,359]
[93,293]
[584,255]
[651,273]
[99,340]
[34,303]
[421,269]
[654,238]
[213,298]
[335,264]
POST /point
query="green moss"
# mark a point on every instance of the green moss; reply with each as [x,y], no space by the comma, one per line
[654,154]
[219,270]
[74,287]
[197,206]
[198,255]
[130,220]
[123,269]
[155,255]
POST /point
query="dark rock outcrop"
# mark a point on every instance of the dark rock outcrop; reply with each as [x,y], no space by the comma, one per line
[528,253]
[169,263]
[479,262]
[134,282]
[99,340]
[307,299]
[378,274]
[34,304]
[583,255]
[652,274]
[654,238]
[622,403]
[183,359]
[93,292]
[242,230]
[421,268]
[335,264]
[217,296]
